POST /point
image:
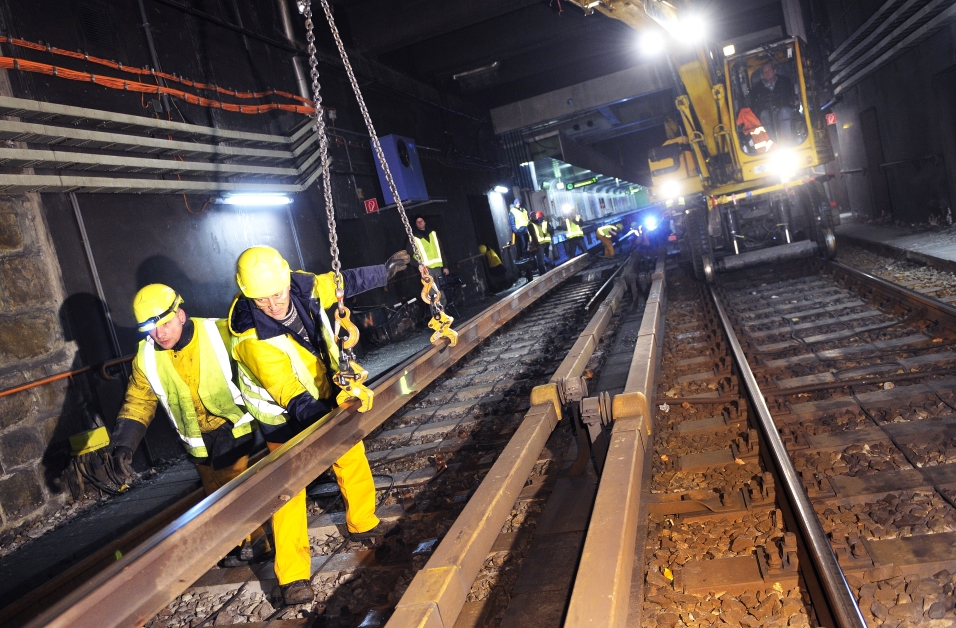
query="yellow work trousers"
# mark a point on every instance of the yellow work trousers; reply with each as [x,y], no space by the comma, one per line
[214,479]
[290,524]
[608,245]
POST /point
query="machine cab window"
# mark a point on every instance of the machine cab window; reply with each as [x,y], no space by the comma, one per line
[768,105]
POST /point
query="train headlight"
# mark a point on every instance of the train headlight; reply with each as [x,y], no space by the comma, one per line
[784,164]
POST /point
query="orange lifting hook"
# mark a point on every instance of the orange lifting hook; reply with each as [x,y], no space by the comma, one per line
[440,321]
[351,376]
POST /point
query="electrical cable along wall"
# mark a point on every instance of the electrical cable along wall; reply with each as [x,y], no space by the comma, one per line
[143,153]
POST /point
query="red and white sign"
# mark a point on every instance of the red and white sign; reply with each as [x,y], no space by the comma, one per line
[371,206]
[831,118]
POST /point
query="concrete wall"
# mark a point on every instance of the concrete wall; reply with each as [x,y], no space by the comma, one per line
[51,318]
[905,109]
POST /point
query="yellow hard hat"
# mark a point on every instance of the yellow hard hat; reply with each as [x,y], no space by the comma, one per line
[482,249]
[154,305]
[262,272]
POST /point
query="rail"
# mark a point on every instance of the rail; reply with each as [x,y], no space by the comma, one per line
[437,594]
[838,593]
[136,587]
[601,592]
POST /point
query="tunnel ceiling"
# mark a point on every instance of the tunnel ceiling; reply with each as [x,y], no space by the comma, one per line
[495,52]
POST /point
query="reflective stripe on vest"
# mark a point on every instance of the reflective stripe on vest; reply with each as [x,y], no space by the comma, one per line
[216,390]
[430,250]
[521,217]
[541,233]
[259,402]
[574,229]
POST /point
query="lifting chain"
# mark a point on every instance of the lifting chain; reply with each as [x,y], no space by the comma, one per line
[440,321]
[350,376]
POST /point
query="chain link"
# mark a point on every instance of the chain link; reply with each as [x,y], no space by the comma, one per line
[419,255]
[306,9]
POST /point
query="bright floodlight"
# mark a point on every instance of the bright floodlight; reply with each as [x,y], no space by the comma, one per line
[257,199]
[784,163]
[692,29]
[670,189]
[650,222]
[652,43]
[567,208]
[500,189]
[729,50]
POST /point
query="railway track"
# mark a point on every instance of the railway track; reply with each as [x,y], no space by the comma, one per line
[778,451]
[469,407]
[797,472]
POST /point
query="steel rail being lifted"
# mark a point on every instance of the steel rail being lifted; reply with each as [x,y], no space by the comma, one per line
[136,587]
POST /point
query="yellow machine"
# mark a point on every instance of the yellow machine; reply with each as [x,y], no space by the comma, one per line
[740,163]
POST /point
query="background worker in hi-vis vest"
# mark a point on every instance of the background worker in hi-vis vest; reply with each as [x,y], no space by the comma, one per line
[283,342]
[183,363]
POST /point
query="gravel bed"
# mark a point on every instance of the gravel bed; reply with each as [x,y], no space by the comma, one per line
[909,273]
[894,516]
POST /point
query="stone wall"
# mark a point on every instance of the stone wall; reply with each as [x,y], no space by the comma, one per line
[31,346]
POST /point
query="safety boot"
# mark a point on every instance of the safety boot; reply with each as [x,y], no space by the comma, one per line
[297,592]
[380,530]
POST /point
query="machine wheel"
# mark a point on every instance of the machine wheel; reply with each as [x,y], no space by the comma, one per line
[702,255]
[813,203]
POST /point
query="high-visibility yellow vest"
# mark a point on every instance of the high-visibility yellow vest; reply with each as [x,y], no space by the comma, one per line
[541,232]
[217,391]
[258,400]
[606,231]
[430,249]
[493,259]
[521,216]
[574,229]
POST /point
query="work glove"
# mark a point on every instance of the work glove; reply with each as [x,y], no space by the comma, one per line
[122,458]
[397,263]
[124,440]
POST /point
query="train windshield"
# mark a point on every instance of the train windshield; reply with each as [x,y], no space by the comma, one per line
[767,100]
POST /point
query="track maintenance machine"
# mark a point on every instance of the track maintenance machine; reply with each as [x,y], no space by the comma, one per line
[738,171]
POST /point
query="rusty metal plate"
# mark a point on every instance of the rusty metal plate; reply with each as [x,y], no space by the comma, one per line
[705,460]
[734,575]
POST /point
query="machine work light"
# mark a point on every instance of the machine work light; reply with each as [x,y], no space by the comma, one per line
[500,189]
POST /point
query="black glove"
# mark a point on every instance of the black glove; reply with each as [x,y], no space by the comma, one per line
[124,440]
[122,458]
[305,409]
[397,263]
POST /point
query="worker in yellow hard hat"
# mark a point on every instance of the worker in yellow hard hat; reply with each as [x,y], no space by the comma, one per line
[286,352]
[183,363]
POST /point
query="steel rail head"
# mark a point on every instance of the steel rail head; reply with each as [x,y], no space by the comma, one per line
[839,595]
[147,578]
